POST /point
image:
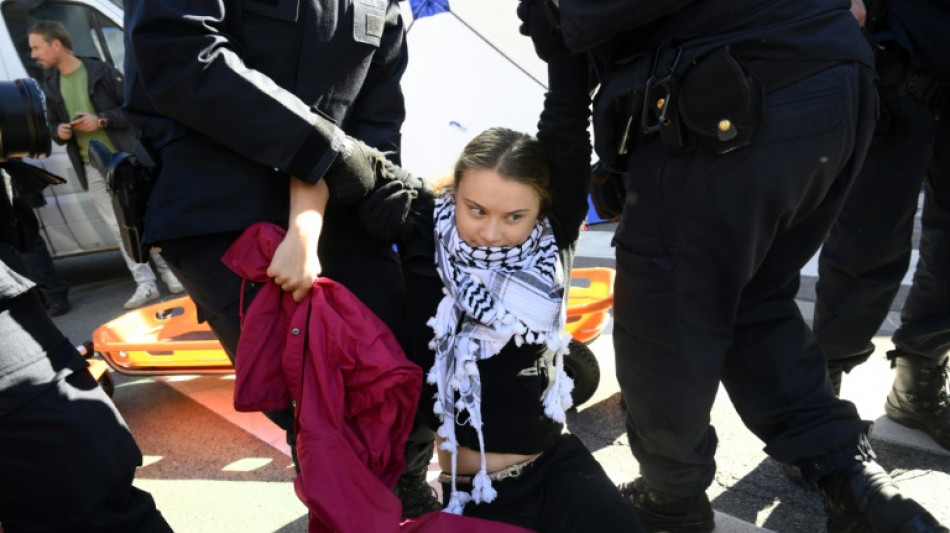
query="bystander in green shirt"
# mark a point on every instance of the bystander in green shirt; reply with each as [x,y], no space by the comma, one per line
[75,90]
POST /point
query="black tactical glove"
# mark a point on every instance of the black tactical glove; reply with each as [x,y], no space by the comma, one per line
[355,172]
[607,192]
[385,212]
[540,21]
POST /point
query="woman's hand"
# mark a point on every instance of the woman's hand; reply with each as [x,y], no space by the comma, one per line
[295,266]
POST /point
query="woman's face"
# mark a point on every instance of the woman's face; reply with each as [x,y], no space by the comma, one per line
[492,210]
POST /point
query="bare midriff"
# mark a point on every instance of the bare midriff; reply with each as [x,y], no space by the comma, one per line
[470,461]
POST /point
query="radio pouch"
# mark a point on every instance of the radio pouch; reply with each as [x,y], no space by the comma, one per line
[720,101]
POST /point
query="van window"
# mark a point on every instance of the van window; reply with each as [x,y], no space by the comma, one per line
[93,34]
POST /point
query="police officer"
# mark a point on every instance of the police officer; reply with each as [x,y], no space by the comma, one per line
[862,263]
[243,104]
[738,127]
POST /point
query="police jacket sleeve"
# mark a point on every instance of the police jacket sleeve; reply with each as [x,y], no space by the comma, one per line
[192,71]
[563,130]
[378,113]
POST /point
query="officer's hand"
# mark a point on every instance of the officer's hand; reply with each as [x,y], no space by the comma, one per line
[539,20]
[385,211]
[354,173]
[607,193]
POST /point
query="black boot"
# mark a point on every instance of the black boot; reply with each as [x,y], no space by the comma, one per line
[864,499]
[919,397]
[415,493]
[666,512]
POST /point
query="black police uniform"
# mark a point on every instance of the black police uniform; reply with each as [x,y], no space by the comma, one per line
[229,94]
[715,231]
[868,251]
[67,458]
[739,126]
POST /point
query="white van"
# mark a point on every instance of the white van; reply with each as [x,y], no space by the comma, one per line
[69,222]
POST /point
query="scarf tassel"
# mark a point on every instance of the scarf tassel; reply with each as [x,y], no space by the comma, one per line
[457,502]
[482,491]
[558,398]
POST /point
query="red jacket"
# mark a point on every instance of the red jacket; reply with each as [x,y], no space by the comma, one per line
[355,392]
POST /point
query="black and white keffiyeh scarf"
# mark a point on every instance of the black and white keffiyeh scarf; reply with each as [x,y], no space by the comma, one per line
[492,295]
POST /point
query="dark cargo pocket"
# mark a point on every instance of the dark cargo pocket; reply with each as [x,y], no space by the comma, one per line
[643,295]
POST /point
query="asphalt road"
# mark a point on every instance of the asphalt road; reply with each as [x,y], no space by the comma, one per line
[211,469]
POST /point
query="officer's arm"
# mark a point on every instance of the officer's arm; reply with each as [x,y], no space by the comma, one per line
[192,72]
[379,110]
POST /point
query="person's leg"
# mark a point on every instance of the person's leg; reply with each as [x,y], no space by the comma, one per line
[516,501]
[694,233]
[168,277]
[867,253]
[775,372]
[146,289]
[709,249]
[577,496]
[919,395]
[43,272]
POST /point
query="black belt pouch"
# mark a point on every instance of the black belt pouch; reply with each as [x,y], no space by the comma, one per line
[720,102]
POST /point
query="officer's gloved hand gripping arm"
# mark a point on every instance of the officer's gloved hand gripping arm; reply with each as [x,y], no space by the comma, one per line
[193,72]
[563,125]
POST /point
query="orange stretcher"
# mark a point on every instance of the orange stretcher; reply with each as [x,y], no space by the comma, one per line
[589,302]
[166,337]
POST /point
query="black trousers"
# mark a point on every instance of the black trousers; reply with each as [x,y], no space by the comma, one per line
[709,249]
[42,271]
[564,490]
[370,271]
[869,249]
[67,458]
